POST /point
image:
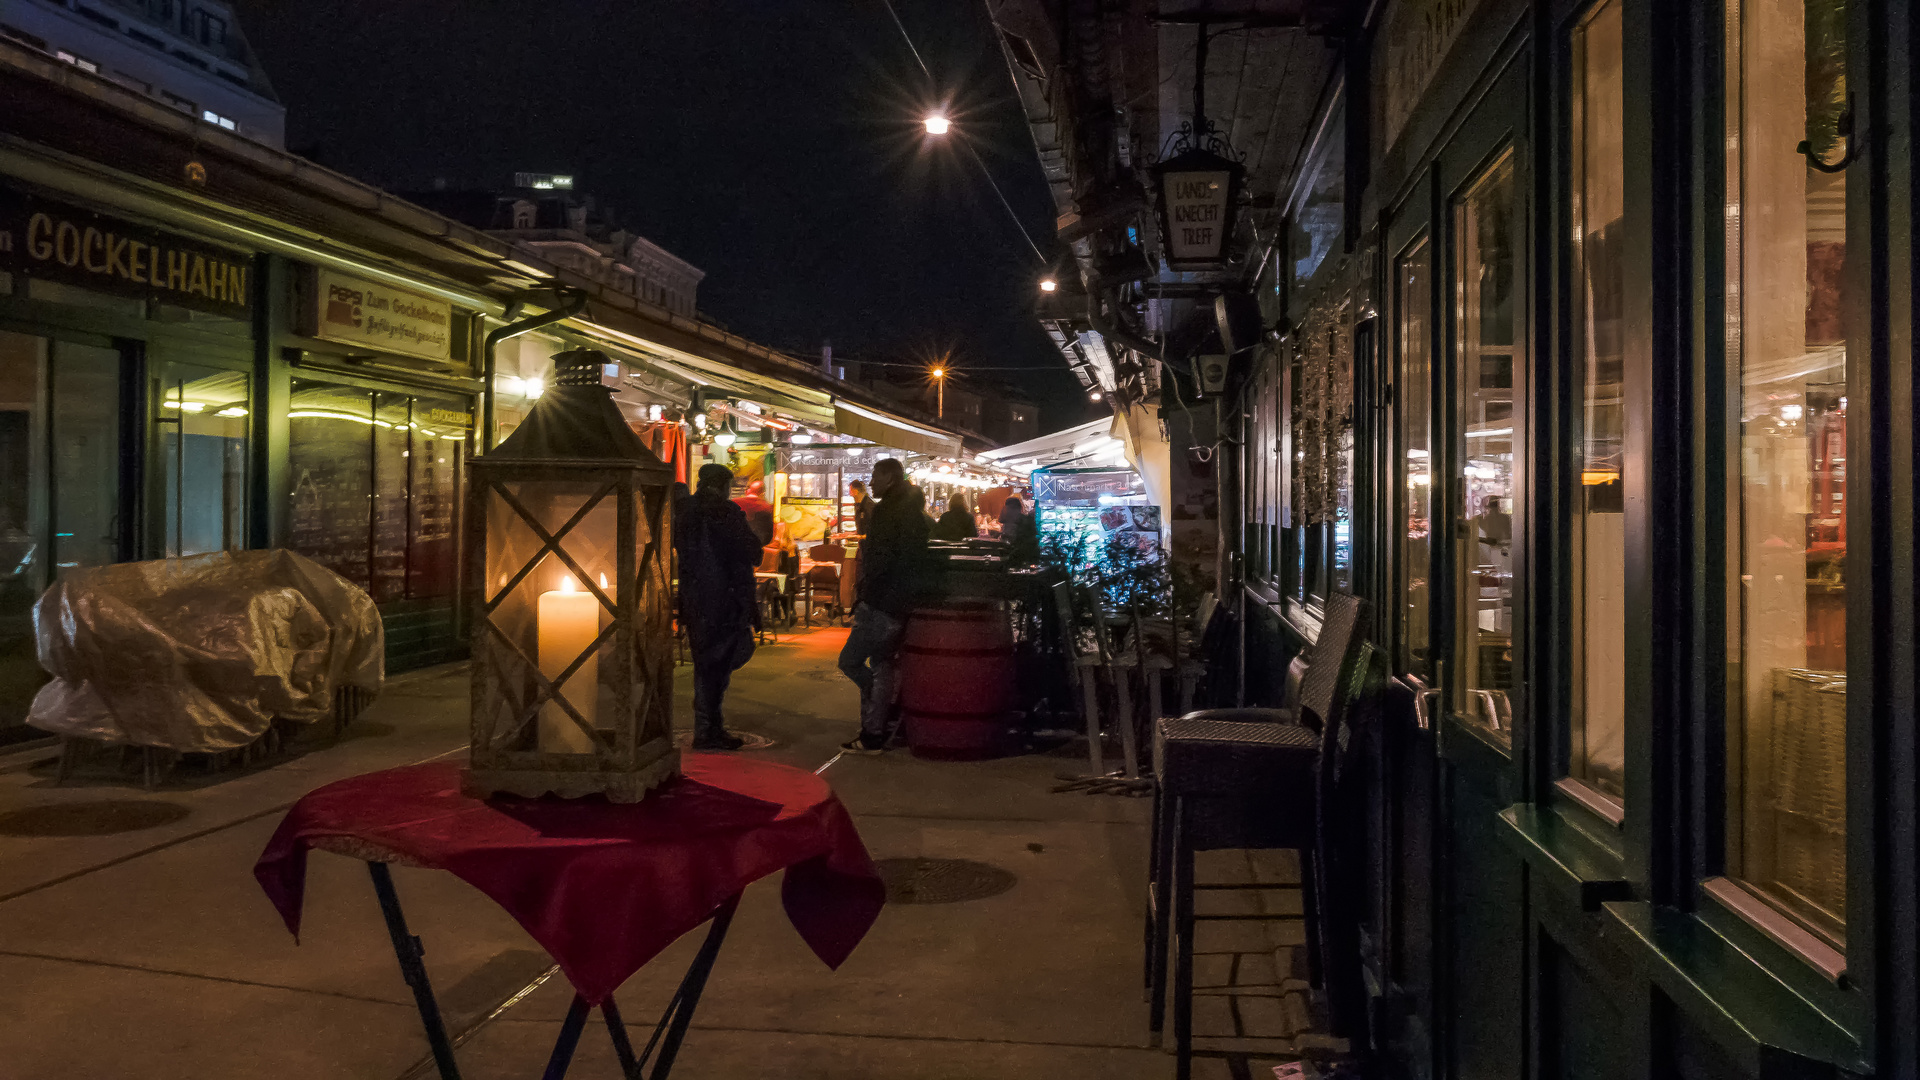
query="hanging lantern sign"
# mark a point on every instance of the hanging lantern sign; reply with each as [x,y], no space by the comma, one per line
[1198,201]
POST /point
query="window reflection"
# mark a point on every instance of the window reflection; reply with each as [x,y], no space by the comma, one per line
[1597,747]
[1787,346]
[203,438]
[1486,224]
[376,482]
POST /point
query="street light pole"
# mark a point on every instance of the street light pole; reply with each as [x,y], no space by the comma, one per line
[940,392]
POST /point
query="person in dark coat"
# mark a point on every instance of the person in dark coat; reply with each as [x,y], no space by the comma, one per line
[957,523]
[894,577]
[717,553]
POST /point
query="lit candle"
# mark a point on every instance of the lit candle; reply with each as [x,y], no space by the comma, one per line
[569,622]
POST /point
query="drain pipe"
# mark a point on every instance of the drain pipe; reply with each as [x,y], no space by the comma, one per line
[572,302]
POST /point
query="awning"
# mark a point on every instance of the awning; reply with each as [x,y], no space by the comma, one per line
[1085,444]
[873,425]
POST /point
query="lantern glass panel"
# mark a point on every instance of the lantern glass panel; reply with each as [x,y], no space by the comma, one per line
[549,616]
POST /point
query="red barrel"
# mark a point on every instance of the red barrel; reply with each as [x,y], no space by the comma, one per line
[957,679]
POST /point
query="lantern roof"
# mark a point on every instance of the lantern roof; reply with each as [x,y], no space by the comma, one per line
[576,421]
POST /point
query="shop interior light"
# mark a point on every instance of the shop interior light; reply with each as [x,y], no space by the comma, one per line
[1095,395]
[700,421]
[1048,285]
[231,411]
[532,388]
[723,439]
[802,437]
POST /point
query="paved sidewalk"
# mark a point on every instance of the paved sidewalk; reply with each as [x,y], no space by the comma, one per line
[147,950]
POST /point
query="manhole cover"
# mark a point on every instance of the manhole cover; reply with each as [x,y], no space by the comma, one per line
[102,818]
[823,674]
[942,881]
[754,740]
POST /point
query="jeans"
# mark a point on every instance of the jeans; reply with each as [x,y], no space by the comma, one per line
[868,659]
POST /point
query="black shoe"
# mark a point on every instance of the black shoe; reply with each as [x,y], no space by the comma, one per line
[726,740]
[859,744]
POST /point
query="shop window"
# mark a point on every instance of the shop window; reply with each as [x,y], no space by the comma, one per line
[203,447]
[1263,475]
[1787,460]
[1413,305]
[1596,749]
[376,486]
[1487,236]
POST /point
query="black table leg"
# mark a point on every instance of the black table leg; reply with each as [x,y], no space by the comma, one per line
[563,1047]
[409,951]
[679,1014]
[617,1030]
[667,1035]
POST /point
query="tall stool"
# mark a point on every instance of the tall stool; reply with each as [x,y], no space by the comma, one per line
[1243,778]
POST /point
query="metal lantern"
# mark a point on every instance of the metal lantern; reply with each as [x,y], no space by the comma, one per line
[1198,199]
[568,534]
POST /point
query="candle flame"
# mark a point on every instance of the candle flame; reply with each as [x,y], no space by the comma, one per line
[566,584]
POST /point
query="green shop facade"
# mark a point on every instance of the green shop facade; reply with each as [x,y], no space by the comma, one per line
[1598,382]
[166,393]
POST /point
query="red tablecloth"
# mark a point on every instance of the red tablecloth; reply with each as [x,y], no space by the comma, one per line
[604,887]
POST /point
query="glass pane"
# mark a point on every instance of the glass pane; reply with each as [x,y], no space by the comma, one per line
[86,456]
[330,461]
[1413,300]
[23,522]
[438,462]
[1787,346]
[391,444]
[549,617]
[1487,235]
[1597,748]
[203,439]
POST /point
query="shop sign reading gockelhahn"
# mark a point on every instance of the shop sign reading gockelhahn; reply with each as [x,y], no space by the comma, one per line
[354,311]
[41,238]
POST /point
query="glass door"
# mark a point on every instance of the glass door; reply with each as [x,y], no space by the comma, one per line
[1475,553]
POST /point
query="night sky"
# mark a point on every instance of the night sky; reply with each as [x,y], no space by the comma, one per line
[775,144]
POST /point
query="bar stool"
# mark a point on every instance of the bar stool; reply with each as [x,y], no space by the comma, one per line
[1249,779]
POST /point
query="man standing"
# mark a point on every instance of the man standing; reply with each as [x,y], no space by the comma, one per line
[717,553]
[893,578]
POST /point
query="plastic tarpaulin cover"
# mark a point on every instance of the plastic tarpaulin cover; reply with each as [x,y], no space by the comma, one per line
[201,653]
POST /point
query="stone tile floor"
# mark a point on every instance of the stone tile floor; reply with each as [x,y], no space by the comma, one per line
[142,946]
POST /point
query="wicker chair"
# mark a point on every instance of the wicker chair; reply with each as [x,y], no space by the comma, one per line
[1244,778]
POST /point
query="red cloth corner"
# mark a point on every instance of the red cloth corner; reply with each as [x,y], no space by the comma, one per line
[605,887]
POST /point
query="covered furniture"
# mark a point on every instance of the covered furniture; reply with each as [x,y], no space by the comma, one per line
[202,654]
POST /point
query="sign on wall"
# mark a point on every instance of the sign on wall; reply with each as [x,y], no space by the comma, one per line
[354,311]
[53,241]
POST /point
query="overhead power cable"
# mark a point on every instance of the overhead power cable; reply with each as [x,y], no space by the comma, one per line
[984,171]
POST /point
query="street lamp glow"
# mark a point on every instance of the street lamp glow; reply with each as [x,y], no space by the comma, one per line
[1049,285]
[938,125]
[939,373]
